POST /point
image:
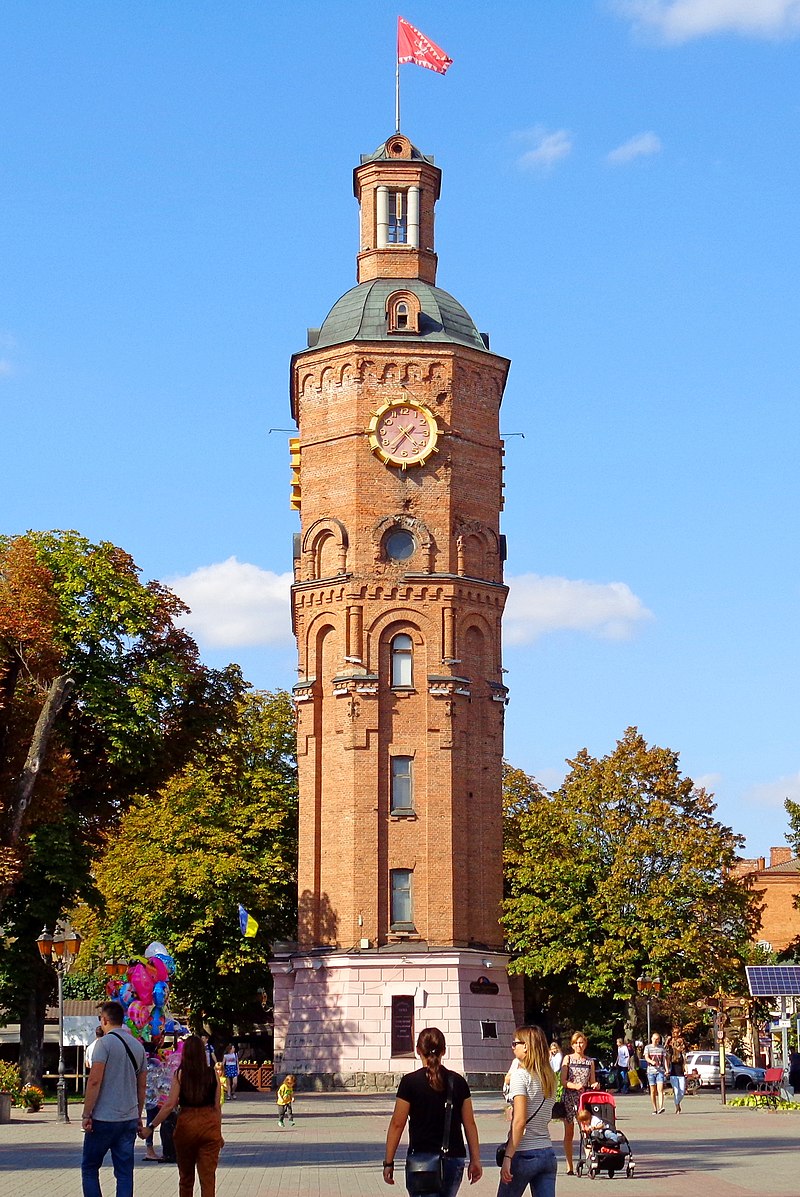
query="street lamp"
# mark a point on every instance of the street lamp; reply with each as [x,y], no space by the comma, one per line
[60,951]
[650,987]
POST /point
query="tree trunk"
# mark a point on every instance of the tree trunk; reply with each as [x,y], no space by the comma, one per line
[57,695]
[630,1018]
[31,1032]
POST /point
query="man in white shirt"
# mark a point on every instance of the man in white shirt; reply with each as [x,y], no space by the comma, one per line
[623,1064]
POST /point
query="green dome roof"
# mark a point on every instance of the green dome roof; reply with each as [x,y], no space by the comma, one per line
[360,315]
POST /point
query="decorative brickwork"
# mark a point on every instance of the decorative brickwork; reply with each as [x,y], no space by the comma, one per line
[397,608]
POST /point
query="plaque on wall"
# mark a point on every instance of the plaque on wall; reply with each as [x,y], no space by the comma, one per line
[402,1026]
[484,985]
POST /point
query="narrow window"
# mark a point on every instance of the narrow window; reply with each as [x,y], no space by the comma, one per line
[401,315]
[398,218]
[402,660]
[401,908]
[402,785]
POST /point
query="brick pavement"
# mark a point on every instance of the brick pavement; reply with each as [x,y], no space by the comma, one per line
[336,1149]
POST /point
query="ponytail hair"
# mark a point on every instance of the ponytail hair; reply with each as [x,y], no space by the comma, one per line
[430,1049]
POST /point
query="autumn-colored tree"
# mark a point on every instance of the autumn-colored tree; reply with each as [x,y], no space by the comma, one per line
[102,694]
[624,869]
[221,832]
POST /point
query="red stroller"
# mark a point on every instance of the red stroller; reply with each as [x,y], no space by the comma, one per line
[602,1148]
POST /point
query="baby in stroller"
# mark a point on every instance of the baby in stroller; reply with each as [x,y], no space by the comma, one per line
[602,1147]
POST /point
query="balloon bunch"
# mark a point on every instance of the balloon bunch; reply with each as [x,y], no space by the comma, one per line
[143,992]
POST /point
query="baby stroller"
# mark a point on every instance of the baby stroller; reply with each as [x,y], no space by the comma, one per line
[601,1150]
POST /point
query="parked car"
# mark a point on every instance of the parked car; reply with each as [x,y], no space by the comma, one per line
[743,1074]
[706,1065]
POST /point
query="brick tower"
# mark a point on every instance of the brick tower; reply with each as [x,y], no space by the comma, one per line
[397,605]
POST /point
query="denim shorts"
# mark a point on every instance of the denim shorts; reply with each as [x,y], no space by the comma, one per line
[654,1075]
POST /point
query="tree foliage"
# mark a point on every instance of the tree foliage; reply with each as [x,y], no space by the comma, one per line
[223,831]
[137,701]
[623,869]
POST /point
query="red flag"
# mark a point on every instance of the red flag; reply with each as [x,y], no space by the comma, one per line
[413,46]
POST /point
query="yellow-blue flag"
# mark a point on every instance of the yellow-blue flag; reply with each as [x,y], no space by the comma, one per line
[247,923]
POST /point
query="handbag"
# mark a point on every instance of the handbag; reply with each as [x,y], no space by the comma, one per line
[425,1169]
[500,1154]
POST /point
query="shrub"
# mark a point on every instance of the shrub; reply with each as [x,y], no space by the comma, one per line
[10,1079]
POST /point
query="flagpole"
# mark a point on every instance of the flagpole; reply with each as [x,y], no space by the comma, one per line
[397,93]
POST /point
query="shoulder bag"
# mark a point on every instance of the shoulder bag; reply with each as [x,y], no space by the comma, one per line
[500,1154]
[425,1169]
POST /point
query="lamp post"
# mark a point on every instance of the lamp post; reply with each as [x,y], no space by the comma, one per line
[60,951]
[650,987]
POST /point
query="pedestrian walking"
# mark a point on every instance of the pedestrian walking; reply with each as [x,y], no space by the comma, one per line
[654,1055]
[675,1060]
[112,1105]
[230,1062]
[623,1063]
[577,1075]
[529,1158]
[422,1100]
[198,1134]
[285,1100]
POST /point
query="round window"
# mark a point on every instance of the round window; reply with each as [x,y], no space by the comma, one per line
[400,545]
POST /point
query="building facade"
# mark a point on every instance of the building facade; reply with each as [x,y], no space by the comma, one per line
[397,605]
[778,884]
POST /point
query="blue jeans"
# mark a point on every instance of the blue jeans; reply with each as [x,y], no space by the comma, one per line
[453,1175]
[535,1168]
[118,1138]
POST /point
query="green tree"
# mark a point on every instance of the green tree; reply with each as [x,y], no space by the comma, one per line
[624,868]
[101,695]
[221,832]
[793,834]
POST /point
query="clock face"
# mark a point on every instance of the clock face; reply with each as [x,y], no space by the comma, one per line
[403,433]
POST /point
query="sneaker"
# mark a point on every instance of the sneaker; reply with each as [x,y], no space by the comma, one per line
[281,1125]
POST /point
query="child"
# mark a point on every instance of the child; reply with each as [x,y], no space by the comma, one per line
[597,1131]
[285,1098]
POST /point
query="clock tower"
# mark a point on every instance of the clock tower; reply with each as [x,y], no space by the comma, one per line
[396,605]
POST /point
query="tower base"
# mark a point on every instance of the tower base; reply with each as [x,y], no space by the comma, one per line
[350,1020]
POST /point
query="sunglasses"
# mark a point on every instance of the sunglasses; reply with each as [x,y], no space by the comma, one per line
[517,1043]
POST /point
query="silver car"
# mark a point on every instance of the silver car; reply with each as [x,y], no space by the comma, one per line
[743,1074]
[706,1064]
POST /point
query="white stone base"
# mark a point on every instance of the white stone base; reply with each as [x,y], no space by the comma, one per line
[333,1013]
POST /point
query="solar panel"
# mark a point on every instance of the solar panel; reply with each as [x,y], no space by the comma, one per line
[773,980]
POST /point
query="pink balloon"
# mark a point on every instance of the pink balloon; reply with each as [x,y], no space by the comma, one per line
[159,967]
[139,1013]
[142,980]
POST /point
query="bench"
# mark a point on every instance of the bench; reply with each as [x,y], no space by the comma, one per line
[768,1092]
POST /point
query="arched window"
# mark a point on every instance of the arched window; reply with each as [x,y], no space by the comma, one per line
[402,661]
[401,315]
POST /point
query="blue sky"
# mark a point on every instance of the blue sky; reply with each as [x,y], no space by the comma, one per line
[619,212]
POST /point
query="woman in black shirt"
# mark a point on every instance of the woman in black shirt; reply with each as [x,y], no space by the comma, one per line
[421,1098]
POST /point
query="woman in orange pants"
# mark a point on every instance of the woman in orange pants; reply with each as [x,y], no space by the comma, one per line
[198,1135]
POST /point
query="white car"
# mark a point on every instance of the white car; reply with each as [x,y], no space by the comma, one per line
[706,1065]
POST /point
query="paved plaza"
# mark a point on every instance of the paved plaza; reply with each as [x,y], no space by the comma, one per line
[336,1149]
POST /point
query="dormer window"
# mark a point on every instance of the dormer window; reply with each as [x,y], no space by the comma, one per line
[402,312]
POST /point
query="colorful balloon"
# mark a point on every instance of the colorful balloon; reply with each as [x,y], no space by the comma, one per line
[155,949]
[157,965]
[139,1013]
[142,981]
[168,961]
[126,994]
[160,993]
[157,1021]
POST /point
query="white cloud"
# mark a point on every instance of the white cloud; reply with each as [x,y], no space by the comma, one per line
[546,148]
[772,794]
[537,605]
[708,781]
[640,146]
[236,605]
[677,21]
